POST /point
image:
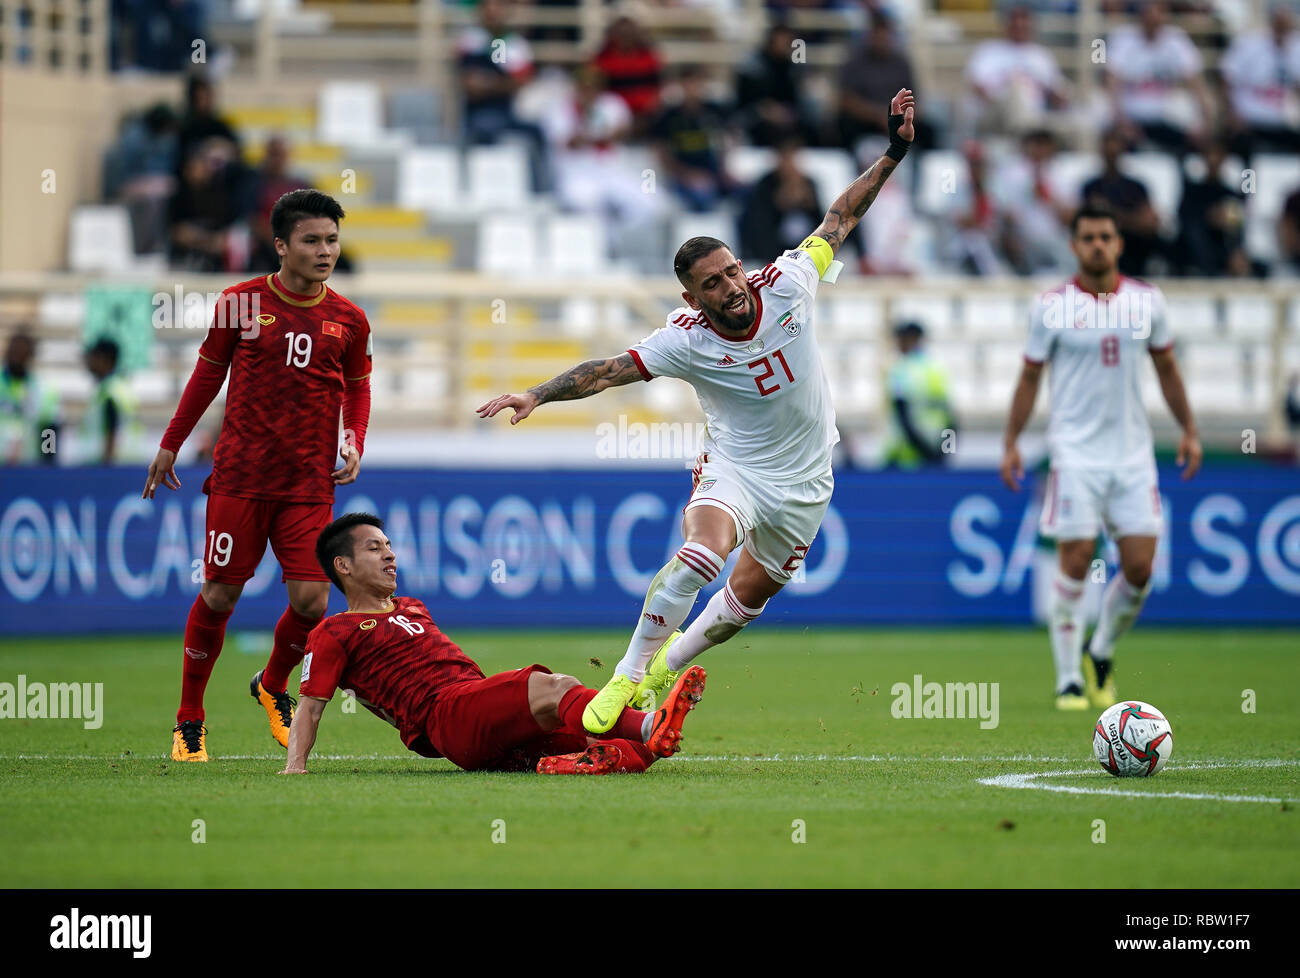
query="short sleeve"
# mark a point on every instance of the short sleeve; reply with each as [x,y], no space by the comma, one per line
[1159,338]
[664,353]
[219,345]
[357,359]
[804,265]
[322,666]
[1038,348]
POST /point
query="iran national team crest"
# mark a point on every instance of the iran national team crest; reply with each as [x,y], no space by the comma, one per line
[788,324]
[706,485]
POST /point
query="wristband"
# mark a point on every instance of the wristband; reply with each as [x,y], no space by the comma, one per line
[898,147]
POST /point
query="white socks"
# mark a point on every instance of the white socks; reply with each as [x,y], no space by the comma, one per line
[721,618]
[1119,609]
[667,603]
[1065,622]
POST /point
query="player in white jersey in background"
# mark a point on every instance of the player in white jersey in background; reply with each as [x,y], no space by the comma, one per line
[747,344]
[1095,331]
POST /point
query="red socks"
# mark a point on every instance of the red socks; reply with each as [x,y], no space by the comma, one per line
[290,646]
[626,727]
[205,630]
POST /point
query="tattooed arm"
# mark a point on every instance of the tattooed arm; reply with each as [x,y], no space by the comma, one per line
[587,378]
[849,206]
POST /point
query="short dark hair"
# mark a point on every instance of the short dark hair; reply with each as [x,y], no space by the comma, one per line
[336,541]
[691,252]
[105,347]
[1098,212]
[298,205]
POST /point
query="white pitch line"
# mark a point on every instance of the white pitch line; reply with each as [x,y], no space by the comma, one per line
[1030,781]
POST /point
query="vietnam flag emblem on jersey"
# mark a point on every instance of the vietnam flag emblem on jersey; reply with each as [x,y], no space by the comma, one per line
[331,329]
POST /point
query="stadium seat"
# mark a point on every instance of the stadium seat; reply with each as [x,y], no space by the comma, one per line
[99,239]
[1261,234]
[61,310]
[1161,175]
[507,245]
[1251,318]
[942,175]
[1002,363]
[831,170]
[153,387]
[496,177]
[748,164]
[715,224]
[935,313]
[992,317]
[1276,176]
[350,112]
[1070,170]
[575,245]
[579,317]
[429,179]
[856,318]
[1192,319]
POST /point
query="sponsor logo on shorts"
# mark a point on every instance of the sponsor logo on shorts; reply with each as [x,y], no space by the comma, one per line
[368,624]
[195,653]
[706,485]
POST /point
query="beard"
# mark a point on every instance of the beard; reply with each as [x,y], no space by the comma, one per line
[735,322]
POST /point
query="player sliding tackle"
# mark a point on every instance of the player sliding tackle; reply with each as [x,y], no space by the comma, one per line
[747,344]
[1094,331]
[388,652]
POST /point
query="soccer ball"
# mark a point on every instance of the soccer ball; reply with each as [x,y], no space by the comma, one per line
[1133,740]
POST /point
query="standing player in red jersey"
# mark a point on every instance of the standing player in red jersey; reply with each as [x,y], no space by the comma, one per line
[388,652]
[300,355]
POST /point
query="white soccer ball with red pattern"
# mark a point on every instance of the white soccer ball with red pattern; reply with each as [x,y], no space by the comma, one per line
[1133,740]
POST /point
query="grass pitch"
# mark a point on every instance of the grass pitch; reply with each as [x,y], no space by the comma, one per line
[795,738]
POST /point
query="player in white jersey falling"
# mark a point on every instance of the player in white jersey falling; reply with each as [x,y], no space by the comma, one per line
[1095,331]
[747,344]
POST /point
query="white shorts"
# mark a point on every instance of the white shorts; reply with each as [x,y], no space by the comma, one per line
[1079,501]
[775,524]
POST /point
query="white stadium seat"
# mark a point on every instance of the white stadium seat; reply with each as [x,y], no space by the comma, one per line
[1251,318]
[1276,176]
[831,170]
[575,245]
[715,224]
[507,245]
[496,177]
[853,318]
[992,317]
[747,164]
[1192,319]
[942,175]
[350,113]
[429,179]
[99,240]
[935,313]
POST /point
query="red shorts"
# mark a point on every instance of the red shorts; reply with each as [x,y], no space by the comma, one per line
[238,530]
[486,724]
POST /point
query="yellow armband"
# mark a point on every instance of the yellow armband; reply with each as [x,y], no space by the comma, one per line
[819,250]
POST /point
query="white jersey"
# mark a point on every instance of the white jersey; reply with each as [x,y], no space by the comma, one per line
[1259,74]
[765,394]
[1097,346]
[1152,71]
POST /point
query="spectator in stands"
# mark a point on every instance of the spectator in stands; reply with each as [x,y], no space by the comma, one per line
[140,173]
[110,430]
[781,209]
[1212,221]
[585,132]
[632,68]
[1014,81]
[495,63]
[1130,203]
[201,122]
[973,242]
[1261,71]
[271,181]
[1288,234]
[155,36]
[1151,68]
[205,209]
[29,410]
[769,97]
[1035,207]
[921,423]
[688,139]
[875,62]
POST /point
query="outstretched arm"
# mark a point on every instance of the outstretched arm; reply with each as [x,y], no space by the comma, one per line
[587,378]
[849,206]
[302,734]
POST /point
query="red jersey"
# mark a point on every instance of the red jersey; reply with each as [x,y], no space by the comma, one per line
[395,662]
[288,365]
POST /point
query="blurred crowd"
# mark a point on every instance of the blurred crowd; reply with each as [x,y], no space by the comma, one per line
[1004,210]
